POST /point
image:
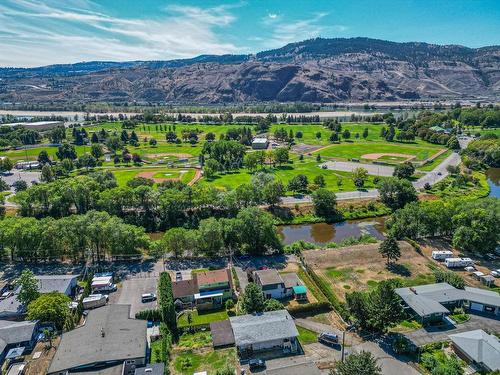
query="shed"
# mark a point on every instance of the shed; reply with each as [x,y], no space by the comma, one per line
[300,292]
[222,333]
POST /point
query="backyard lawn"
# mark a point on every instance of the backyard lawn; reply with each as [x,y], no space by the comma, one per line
[190,361]
[201,317]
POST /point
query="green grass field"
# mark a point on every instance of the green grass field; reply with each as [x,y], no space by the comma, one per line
[307,336]
[308,167]
[188,362]
[202,317]
[358,149]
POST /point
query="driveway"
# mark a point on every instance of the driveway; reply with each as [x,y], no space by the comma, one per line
[349,166]
[131,290]
[436,334]
[386,359]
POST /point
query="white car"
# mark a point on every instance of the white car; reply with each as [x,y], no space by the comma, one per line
[495,273]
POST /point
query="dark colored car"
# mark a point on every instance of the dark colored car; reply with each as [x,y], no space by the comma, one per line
[256,363]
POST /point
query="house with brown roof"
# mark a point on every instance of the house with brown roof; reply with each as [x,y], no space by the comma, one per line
[206,290]
[214,288]
[183,292]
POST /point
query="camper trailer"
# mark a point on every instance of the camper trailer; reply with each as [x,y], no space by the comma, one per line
[94,300]
[442,254]
[458,262]
[103,284]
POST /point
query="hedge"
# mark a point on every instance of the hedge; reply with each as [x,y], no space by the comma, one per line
[149,314]
[312,308]
[166,302]
[340,307]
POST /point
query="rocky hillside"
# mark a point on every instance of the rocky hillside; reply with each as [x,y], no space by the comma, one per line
[317,70]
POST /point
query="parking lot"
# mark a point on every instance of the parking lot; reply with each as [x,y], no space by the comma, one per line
[134,285]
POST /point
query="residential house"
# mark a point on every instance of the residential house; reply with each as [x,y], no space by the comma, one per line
[268,331]
[13,335]
[109,342]
[271,283]
[430,303]
[479,348]
[292,368]
[11,308]
[151,369]
[184,291]
[214,288]
[294,286]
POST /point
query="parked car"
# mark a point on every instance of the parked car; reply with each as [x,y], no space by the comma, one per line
[256,363]
[328,338]
[148,297]
[324,166]
[178,276]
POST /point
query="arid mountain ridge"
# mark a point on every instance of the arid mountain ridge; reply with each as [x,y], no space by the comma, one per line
[316,70]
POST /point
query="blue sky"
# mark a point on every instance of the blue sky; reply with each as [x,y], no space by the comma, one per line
[41,32]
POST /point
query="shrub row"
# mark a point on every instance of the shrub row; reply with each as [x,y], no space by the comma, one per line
[166,302]
[414,244]
[326,290]
[310,308]
[149,314]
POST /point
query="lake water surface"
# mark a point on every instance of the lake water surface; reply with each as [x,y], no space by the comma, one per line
[493,175]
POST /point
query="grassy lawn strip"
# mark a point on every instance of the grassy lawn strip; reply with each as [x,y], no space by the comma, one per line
[188,362]
[311,285]
[155,351]
[307,336]
[202,317]
[195,340]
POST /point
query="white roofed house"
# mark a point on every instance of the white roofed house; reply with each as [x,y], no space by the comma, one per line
[268,331]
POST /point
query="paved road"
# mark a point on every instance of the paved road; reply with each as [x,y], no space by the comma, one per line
[438,173]
[349,166]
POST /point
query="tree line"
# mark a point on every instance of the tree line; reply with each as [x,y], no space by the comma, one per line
[471,225]
[76,237]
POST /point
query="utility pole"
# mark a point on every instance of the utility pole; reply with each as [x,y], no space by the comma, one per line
[343,346]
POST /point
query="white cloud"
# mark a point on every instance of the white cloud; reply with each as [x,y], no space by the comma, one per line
[49,32]
[284,31]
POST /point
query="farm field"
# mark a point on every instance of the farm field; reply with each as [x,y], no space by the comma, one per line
[361,267]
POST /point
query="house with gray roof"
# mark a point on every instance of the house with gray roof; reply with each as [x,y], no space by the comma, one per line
[11,308]
[430,303]
[16,335]
[272,330]
[271,283]
[479,348]
[108,339]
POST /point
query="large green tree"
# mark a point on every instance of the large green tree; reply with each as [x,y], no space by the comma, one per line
[396,193]
[389,249]
[50,308]
[363,363]
[253,299]
[29,287]
[325,203]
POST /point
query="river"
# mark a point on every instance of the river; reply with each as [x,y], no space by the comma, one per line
[323,233]
[493,175]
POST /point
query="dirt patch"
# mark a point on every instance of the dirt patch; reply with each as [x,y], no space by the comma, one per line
[361,267]
[303,148]
[149,176]
[159,155]
[41,364]
[376,156]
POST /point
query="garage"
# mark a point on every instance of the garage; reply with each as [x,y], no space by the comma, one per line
[476,306]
